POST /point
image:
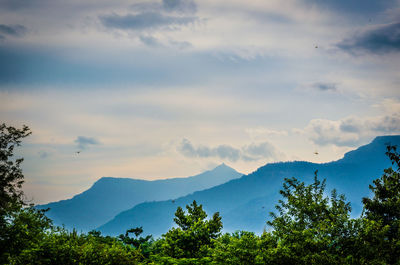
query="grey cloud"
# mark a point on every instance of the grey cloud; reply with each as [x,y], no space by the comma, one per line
[12,30]
[19,4]
[143,21]
[84,142]
[261,150]
[351,125]
[150,41]
[221,151]
[228,152]
[325,86]
[146,7]
[386,124]
[358,7]
[251,152]
[379,40]
[324,132]
[183,6]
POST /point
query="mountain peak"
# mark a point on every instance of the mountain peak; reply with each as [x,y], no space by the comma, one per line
[369,151]
[224,168]
[223,165]
[387,139]
[109,196]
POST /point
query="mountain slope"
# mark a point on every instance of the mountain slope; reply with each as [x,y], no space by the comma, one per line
[109,196]
[245,203]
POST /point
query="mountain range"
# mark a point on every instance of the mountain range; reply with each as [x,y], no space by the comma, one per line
[109,196]
[245,203]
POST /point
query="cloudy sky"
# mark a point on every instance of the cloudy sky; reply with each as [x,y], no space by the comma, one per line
[170,88]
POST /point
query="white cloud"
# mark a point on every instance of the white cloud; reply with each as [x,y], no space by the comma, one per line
[263,133]
[353,130]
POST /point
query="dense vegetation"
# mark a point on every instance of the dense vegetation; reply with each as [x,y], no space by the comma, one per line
[308,227]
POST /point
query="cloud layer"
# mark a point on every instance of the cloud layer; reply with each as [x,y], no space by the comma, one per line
[378,40]
[12,30]
[182,6]
[138,74]
[144,21]
[250,152]
[352,131]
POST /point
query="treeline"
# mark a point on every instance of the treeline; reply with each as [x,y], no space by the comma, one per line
[308,227]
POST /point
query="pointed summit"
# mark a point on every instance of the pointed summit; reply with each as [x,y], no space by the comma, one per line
[223,166]
[109,195]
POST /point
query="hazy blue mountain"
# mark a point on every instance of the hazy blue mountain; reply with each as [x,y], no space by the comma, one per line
[245,203]
[109,196]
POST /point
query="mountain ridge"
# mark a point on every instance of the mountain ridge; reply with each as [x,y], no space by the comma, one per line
[262,187]
[109,195]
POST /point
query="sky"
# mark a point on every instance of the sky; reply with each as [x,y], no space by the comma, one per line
[171,88]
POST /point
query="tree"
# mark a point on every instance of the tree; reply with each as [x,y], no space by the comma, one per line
[381,232]
[311,227]
[238,248]
[11,177]
[194,235]
[62,247]
[140,243]
[12,216]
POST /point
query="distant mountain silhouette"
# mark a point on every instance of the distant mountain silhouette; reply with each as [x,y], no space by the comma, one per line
[245,203]
[109,196]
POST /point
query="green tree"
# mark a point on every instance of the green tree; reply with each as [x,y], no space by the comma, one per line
[11,177]
[381,231]
[193,237]
[20,226]
[311,227]
[143,244]
[68,248]
[239,248]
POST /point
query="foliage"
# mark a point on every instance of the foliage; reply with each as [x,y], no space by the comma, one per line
[381,230]
[193,237]
[143,244]
[311,227]
[16,225]
[11,177]
[25,228]
[241,247]
[63,247]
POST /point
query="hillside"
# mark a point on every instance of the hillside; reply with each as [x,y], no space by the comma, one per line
[109,196]
[245,203]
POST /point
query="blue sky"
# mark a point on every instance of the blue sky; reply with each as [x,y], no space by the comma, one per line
[170,88]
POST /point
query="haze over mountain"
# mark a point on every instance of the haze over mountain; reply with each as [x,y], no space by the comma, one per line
[245,203]
[109,196]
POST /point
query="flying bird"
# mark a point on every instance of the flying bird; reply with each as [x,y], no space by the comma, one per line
[316,153]
[78,152]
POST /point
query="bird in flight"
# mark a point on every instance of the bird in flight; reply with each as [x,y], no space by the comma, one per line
[78,152]
[316,153]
